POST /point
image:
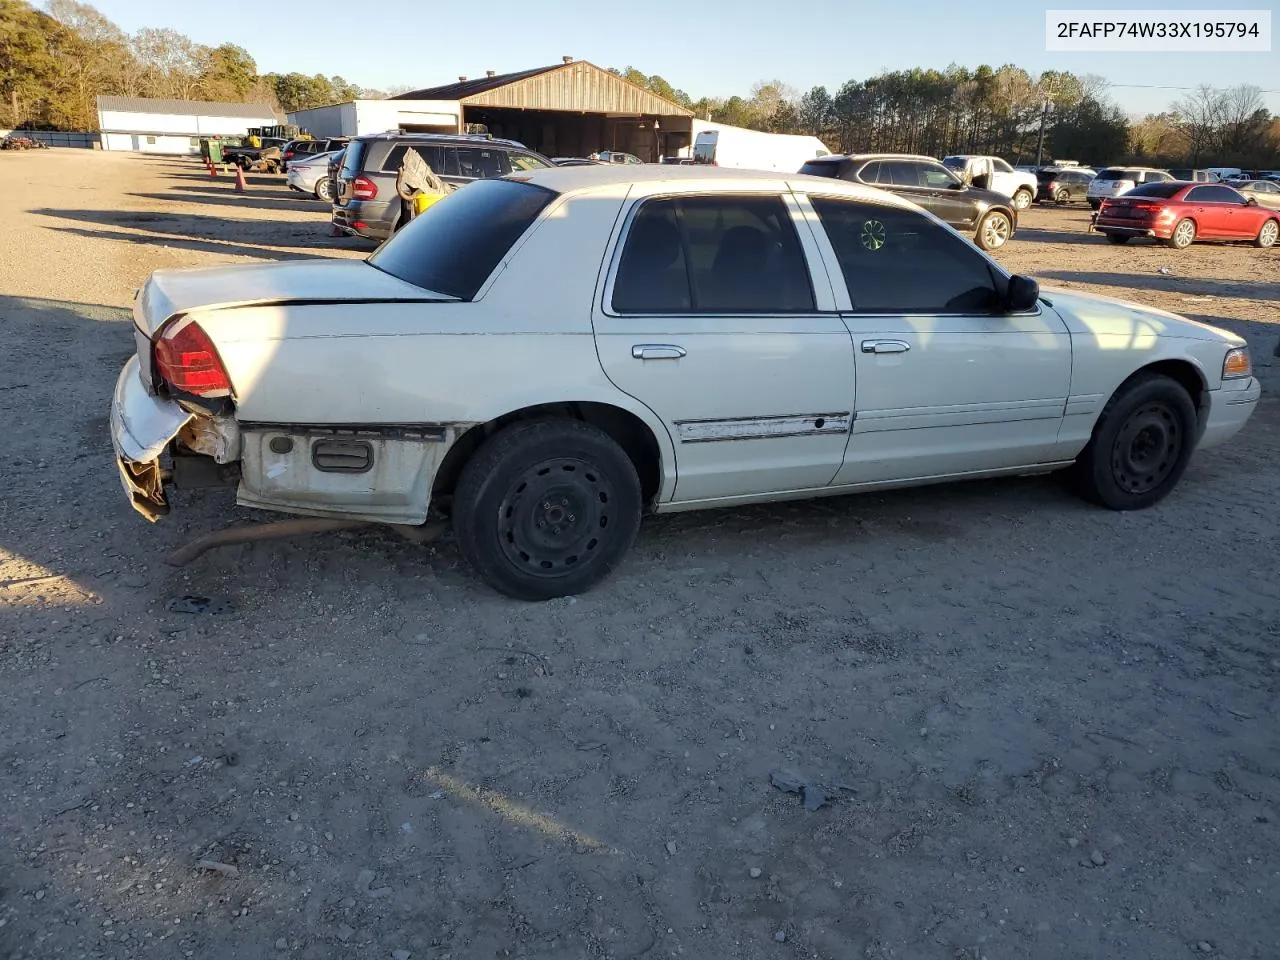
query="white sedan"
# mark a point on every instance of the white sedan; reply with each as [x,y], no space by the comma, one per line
[544,357]
[311,175]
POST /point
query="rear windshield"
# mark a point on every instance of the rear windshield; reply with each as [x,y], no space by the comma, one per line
[704,151]
[453,245]
[822,168]
[353,158]
[1162,188]
[1119,173]
[1044,176]
[954,163]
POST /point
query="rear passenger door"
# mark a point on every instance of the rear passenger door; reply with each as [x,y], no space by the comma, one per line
[710,317]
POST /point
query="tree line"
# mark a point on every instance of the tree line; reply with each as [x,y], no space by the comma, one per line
[55,62]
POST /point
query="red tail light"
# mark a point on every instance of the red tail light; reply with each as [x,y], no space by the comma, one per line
[187,360]
[288,154]
[1053,185]
[362,188]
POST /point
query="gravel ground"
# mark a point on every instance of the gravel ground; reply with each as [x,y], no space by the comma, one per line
[1039,729]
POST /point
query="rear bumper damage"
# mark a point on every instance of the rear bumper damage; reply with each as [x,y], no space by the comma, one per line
[144,426]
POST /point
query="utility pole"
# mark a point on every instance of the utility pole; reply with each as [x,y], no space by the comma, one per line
[1044,115]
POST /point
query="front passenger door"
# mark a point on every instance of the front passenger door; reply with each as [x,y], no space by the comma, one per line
[709,317]
[947,383]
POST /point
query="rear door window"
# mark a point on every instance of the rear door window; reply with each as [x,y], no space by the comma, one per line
[431,154]
[901,173]
[713,254]
[526,161]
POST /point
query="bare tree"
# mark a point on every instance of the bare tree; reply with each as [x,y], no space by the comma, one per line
[1199,119]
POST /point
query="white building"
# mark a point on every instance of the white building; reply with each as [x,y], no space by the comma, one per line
[174,126]
[357,117]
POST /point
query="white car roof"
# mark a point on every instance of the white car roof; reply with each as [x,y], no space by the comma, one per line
[689,178]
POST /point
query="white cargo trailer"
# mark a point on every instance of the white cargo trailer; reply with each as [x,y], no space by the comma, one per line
[724,146]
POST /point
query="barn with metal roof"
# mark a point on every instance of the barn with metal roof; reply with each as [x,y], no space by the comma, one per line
[572,108]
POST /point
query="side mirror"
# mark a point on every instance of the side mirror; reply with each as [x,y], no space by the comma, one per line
[1022,294]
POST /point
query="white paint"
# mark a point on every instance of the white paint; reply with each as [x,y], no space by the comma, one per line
[358,117]
[169,133]
[973,396]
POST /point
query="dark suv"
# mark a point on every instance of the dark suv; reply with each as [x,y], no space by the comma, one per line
[301,149]
[1062,184]
[366,203]
[986,215]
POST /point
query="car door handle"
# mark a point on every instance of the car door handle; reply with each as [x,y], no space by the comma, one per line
[657,351]
[885,346]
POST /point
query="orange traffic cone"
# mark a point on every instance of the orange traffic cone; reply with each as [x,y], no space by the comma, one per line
[239,179]
[210,167]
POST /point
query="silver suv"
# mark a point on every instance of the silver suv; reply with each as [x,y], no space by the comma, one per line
[366,203]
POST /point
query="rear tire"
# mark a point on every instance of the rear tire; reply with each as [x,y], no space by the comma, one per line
[1118,237]
[1184,234]
[323,192]
[1140,445]
[1095,204]
[1267,235]
[547,508]
[1022,199]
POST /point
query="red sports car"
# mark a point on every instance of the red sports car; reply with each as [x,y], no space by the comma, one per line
[1180,213]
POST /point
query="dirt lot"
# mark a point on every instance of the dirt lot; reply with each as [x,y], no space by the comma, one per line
[1048,730]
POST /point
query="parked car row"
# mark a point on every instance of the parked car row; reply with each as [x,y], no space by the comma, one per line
[1180,213]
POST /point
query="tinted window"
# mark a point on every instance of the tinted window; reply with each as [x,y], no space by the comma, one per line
[431,154]
[482,164]
[719,254]
[871,173]
[1118,173]
[900,173]
[1163,190]
[353,157]
[822,168]
[454,244]
[1213,194]
[898,261]
[1047,176]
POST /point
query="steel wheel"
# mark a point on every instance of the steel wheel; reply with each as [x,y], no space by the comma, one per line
[1021,200]
[1268,234]
[1147,448]
[995,231]
[554,516]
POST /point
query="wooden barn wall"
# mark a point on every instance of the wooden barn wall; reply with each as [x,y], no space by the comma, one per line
[579,88]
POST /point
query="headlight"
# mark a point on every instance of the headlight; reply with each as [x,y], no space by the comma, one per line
[1236,364]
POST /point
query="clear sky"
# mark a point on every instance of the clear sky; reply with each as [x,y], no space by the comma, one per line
[704,48]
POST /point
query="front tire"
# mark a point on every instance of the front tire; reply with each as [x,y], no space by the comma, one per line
[1062,197]
[547,508]
[994,231]
[1022,199]
[1140,445]
[1267,235]
[1184,234]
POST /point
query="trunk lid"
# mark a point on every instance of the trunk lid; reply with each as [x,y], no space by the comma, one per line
[170,293]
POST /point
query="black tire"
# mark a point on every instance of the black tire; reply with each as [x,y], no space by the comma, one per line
[1118,237]
[1183,235]
[1095,204]
[1062,196]
[1140,445]
[1267,234]
[547,508]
